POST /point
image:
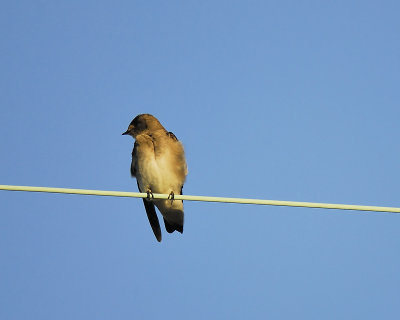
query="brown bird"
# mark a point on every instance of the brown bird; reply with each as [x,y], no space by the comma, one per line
[159,165]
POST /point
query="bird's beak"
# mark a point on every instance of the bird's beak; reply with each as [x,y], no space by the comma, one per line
[129,131]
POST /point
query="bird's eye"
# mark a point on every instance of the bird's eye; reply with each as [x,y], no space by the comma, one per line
[140,125]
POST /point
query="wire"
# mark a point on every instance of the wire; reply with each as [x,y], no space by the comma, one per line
[202,198]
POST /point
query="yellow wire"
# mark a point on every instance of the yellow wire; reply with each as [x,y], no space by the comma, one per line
[202,198]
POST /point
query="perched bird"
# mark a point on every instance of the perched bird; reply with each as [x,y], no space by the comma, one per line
[159,165]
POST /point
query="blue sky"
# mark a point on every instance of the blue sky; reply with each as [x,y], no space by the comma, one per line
[282,100]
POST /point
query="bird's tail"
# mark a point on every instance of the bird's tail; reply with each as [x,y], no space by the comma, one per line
[172,213]
[171,227]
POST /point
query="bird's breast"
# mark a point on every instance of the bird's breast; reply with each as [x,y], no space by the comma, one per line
[158,174]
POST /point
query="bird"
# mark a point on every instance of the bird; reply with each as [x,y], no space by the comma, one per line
[159,165]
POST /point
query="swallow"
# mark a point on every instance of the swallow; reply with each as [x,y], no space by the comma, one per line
[159,165]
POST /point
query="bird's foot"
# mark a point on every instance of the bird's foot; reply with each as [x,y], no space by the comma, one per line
[149,195]
[171,197]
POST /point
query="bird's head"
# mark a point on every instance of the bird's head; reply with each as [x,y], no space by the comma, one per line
[141,124]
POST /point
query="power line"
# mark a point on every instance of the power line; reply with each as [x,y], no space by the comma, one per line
[202,198]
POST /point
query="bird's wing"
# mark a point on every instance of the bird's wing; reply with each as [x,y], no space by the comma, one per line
[175,139]
[153,219]
[133,163]
[152,216]
[173,217]
[172,136]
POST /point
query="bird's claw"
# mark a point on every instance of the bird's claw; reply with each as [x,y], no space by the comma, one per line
[149,195]
[171,197]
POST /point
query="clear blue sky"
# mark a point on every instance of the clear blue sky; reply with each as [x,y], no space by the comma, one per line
[284,100]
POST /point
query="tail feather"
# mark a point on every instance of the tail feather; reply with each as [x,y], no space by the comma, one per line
[171,227]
